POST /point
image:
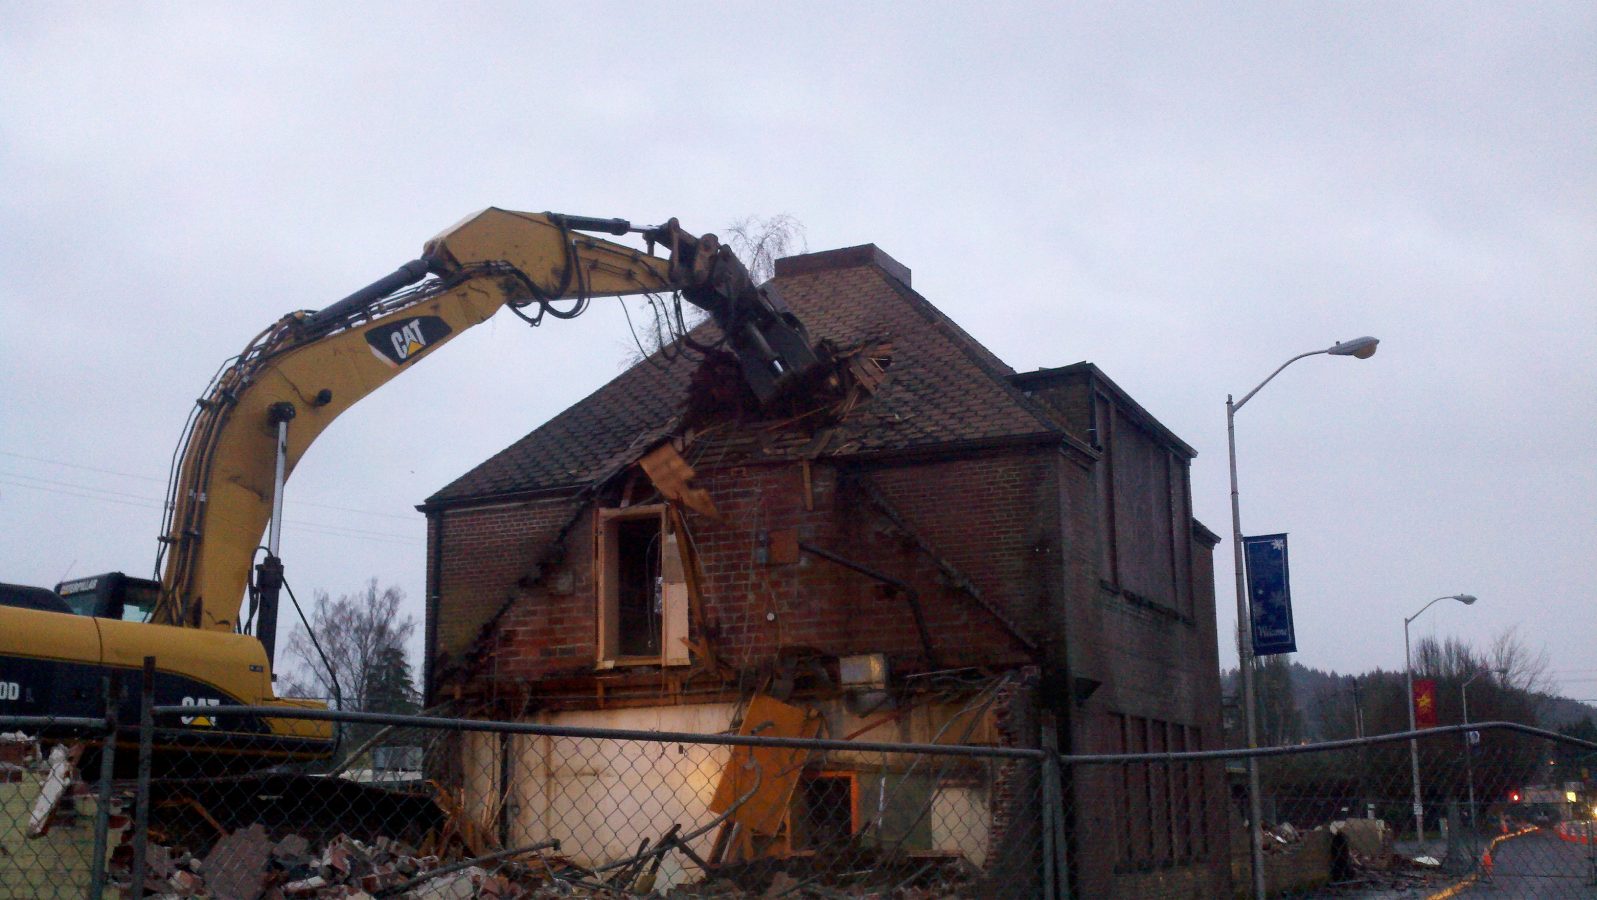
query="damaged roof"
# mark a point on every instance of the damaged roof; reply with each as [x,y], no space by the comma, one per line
[942,388]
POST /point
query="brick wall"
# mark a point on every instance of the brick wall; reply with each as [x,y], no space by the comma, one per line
[479,556]
[988,535]
[552,625]
[1002,534]
[1015,834]
[995,518]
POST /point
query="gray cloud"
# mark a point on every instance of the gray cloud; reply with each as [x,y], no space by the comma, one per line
[1186,196]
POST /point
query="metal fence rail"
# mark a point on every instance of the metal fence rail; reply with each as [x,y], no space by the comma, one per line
[425,806]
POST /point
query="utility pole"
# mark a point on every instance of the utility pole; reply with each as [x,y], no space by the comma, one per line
[1358,732]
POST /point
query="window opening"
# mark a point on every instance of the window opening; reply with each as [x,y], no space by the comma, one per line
[642,589]
[829,809]
[638,600]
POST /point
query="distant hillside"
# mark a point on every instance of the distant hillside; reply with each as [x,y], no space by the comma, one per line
[1324,703]
[1559,712]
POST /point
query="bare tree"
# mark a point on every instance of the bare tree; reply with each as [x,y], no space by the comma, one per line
[1523,669]
[361,659]
[1448,660]
[759,243]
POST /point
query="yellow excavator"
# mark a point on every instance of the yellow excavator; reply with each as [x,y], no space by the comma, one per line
[262,412]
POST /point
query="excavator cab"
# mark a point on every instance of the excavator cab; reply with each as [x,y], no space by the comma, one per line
[111,596]
[25,596]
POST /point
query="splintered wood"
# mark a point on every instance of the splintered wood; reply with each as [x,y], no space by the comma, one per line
[671,474]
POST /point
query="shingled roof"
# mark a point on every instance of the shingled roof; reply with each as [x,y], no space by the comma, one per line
[943,389]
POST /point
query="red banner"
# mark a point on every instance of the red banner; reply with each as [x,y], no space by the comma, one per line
[1424,703]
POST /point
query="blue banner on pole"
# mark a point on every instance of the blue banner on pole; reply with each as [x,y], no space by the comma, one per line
[1269,594]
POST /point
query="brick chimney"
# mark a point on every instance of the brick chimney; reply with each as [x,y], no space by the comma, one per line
[844,258]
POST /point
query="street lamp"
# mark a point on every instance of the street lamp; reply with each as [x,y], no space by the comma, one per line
[1413,743]
[1469,750]
[1359,348]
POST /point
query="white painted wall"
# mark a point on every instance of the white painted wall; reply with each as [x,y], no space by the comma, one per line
[600,799]
[961,822]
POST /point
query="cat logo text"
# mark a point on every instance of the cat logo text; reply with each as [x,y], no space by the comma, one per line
[400,341]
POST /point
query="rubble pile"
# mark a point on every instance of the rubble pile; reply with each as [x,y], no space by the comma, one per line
[1347,857]
[815,878]
[1368,842]
[248,865]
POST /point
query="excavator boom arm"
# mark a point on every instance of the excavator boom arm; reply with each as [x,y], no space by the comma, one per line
[309,367]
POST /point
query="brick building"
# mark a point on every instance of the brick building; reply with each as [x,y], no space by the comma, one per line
[664,549]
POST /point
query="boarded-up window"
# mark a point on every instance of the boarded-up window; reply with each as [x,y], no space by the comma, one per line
[1158,805]
[1104,490]
[1144,511]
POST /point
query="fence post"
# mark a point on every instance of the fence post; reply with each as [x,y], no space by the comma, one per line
[102,801]
[1055,854]
[1058,852]
[1061,813]
[141,817]
[1045,787]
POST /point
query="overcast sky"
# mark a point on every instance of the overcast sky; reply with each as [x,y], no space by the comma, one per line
[1186,196]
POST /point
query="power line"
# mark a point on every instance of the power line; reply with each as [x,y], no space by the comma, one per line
[83,496]
[56,462]
[350,509]
[80,487]
[75,490]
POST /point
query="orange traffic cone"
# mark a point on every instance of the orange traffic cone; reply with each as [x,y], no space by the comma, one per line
[1486,864]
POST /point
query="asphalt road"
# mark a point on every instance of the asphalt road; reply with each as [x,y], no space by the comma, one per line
[1537,865]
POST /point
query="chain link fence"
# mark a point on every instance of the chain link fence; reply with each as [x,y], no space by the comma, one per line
[1494,809]
[1503,810]
[429,807]
[57,805]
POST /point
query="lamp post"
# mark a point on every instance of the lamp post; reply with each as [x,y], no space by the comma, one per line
[1359,348]
[1469,749]
[1413,743]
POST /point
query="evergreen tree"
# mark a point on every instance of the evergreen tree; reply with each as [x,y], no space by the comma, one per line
[389,685]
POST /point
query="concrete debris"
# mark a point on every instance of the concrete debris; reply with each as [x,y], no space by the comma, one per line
[17,750]
[305,887]
[462,885]
[247,865]
[1369,842]
[291,851]
[62,761]
[1346,857]
[158,862]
